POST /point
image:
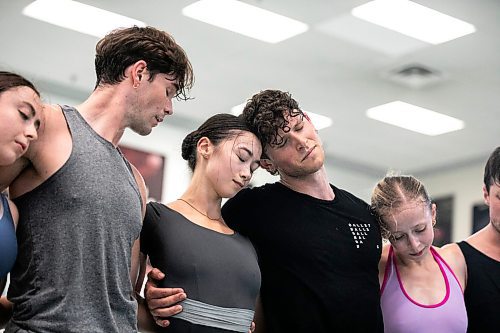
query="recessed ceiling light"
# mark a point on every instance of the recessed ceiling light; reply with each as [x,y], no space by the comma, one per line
[245,19]
[319,121]
[78,16]
[413,20]
[415,118]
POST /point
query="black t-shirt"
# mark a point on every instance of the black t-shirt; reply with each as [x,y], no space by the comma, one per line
[318,258]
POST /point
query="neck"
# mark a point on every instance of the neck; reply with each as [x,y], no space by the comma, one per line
[315,185]
[490,236]
[203,198]
[105,112]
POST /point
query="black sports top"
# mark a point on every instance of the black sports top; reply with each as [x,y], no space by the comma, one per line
[482,293]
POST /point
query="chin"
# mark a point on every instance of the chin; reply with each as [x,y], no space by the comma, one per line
[230,194]
[8,159]
[142,131]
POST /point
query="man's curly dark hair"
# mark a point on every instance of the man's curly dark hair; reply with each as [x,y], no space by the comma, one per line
[265,114]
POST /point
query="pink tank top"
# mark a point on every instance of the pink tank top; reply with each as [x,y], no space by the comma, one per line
[404,315]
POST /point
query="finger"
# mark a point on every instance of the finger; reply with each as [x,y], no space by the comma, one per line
[161,322]
[165,302]
[155,274]
[165,312]
[152,292]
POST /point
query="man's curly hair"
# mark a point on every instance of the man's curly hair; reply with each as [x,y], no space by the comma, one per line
[265,114]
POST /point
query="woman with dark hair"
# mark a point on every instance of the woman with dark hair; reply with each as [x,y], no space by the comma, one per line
[189,240]
[20,108]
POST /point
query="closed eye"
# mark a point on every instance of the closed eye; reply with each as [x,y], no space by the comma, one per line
[397,237]
[421,230]
[283,144]
[23,115]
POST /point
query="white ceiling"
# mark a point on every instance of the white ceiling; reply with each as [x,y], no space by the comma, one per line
[339,75]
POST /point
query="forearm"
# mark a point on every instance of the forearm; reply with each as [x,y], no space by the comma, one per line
[258,318]
[5,311]
[145,321]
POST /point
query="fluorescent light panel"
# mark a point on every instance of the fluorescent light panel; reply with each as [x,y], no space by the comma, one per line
[319,121]
[414,20]
[415,118]
[245,19]
[78,16]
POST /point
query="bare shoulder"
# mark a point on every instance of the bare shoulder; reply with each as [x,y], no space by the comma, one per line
[142,186]
[52,125]
[451,249]
[139,179]
[10,172]
[455,259]
[385,251]
[45,155]
[452,254]
[14,212]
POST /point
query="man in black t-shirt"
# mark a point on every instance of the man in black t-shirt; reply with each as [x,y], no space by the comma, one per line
[318,245]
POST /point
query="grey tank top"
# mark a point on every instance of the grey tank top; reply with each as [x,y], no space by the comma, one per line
[75,234]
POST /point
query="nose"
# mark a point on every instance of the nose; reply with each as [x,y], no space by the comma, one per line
[246,175]
[31,132]
[414,243]
[169,110]
[300,142]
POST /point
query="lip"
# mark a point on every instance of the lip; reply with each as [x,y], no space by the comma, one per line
[239,184]
[22,145]
[418,254]
[308,153]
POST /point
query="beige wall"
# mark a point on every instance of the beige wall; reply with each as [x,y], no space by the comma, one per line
[465,185]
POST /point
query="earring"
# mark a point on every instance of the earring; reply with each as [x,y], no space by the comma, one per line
[433,222]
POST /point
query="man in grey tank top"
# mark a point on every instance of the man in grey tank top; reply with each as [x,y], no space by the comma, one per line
[81,203]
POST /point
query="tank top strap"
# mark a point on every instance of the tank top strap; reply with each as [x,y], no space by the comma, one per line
[8,242]
[79,129]
[5,205]
[389,269]
[6,213]
[446,268]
